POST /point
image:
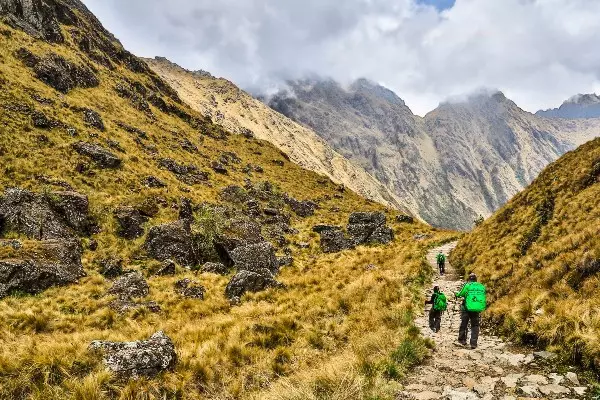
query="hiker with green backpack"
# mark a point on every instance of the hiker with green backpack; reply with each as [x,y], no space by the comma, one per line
[439,304]
[441,262]
[474,303]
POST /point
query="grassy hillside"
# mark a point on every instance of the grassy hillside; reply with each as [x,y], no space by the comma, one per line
[540,257]
[341,328]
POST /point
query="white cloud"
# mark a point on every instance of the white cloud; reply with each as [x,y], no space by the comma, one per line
[538,52]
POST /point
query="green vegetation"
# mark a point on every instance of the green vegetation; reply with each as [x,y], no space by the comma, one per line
[540,258]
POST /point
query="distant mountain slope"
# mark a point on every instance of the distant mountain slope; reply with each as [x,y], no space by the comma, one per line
[462,160]
[540,257]
[579,106]
[239,112]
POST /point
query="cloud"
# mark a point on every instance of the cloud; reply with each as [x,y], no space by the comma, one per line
[538,52]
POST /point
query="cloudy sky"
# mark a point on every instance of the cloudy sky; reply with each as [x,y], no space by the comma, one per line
[538,52]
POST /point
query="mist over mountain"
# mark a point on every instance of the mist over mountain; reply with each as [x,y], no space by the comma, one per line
[579,106]
[466,158]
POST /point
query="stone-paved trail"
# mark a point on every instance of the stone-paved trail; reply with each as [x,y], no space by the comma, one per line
[495,370]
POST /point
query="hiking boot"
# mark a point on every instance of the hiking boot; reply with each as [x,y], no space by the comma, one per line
[473,346]
[460,344]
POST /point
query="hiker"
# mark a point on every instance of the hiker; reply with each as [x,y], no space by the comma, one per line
[439,304]
[473,304]
[441,262]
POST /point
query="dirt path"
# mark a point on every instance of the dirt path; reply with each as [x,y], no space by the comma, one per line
[493,371]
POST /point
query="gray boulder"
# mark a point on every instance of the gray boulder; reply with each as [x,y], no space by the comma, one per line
[256,257]
[54,215]
[129,222]
[404,219]
[101,157]
[190,289]
[144,358]
[369,227]
[334,240]
[302,208]
[249,281]
[50,263]
[188,174]
[64,76]
[172,241]
[168,267]
[131,285]
[215,268]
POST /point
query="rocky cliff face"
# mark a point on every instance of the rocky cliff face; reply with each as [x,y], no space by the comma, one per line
[239,112]
[579,106]
[460,161]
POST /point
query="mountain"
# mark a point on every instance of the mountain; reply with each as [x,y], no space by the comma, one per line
[239,112]
[146,252]
[539,256]
[579,106]
[462,160]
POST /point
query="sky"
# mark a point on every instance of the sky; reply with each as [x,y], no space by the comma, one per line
[538,52]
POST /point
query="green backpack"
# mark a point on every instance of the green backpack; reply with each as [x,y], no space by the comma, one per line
[475,300]
[441,303]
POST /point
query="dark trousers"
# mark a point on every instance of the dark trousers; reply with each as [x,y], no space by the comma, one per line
[442,267]
[465,318]
[435,320]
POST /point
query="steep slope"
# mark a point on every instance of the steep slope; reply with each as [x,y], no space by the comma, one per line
[114,194]
[464,159]
[239,112]
[540,257]
[579,106]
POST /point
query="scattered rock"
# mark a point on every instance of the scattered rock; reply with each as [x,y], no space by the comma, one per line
[529,391]
[153,182]
[12,243]
[129,221]
[248,281]
[511,380]
[285,261]
[580,390]
[93,245]
[235,194]
[535,379]
[544,355]
[168,267]
[404,219]
[302,208]
[572,377]
[171,241]
[556,378]
[188,146]
[486,385]
[93,119]
[256,257]
[124,305]
[188,174]
[131,285]
[146,358]
[334,240]
[186,210]
[62,75]
[190,289]
[53,215]
[51,263]
[102,157]
[553,389]
[215,268]
[303,245]
[421,236]
[219,168]
[111,267]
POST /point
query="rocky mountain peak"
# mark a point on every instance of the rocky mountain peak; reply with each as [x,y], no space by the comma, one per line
[584,99]
[579,106]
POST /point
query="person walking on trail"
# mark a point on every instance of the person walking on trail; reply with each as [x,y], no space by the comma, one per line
[441,262]
[474,302]
[439,304]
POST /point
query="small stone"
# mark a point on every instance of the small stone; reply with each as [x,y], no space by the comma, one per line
[190,289]
[572,377]
[580,390]
[556,378]
[485,386]
[427,395]
[111,267]
[167,268]
[511,380]
[553,389]
[469,382]
[529,390]
[215,268]
[130,285]
[536,379]
[544,355]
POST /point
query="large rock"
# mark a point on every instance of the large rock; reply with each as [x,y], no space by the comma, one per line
[249,281]
[144,358]
[334,240]
[102,157]
[188,174]
[303,209]
[369,227]
[238,233]
[190,289]
[63,75]
[215,268]
[130,286]
[51,263]
[111,267]
[256,257]
[129,222]
[93,119]
[38,18]
[172,241]
[54,215]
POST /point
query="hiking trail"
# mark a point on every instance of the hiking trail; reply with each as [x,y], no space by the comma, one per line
[495,370]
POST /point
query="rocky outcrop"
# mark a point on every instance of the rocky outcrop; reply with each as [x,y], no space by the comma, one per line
[129,222]
[48,263]
[188,174]
[248,281]
[111,267]
[98,154]
[53,215]
[334,240]
[215,268]
[144,358]
[256,258]
[172,241]
[190,289]
[132,285]
[302,208]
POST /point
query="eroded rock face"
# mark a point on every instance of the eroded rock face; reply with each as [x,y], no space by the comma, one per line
[53,263]
[102,157]
[249,281]
[171,241]
[256,257]
[130,286]
[54,215]
[144,358]
[130,221]
[38,18]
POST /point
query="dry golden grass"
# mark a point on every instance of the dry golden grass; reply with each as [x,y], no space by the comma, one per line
[540,257]
[338,331]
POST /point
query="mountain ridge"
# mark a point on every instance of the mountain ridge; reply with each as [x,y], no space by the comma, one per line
[579,106]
